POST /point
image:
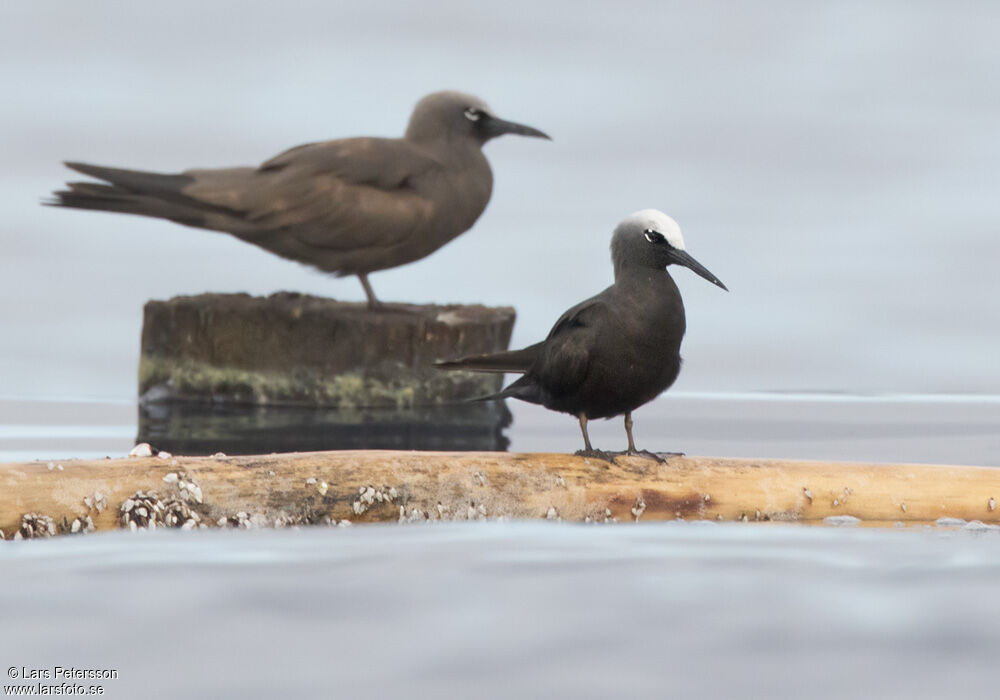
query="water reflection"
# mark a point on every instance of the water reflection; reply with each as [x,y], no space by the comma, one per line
[203,429]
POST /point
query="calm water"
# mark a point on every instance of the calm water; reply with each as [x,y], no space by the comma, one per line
[527,610]
[888,428]
[835,163]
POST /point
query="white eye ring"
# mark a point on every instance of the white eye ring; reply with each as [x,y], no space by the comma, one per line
[648,233]
[472,114]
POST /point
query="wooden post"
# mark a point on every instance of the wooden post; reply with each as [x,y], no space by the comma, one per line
[294,349]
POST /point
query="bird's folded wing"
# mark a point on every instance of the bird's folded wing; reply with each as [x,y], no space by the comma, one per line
[566,353]
[336,195]
[384,164]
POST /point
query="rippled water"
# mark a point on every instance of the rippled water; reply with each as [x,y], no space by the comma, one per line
[513,611]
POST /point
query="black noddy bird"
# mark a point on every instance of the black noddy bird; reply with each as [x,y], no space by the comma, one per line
[616,351]
[350,206]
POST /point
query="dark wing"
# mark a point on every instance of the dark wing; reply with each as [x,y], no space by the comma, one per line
[554,368]
[565,357]
[338,195]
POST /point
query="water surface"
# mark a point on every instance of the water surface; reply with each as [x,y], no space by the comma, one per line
[882,428]
[524,610]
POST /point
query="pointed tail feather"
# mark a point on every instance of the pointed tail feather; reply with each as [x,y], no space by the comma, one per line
[157,195]
[135,181]
[512,361]
[517,390]
[524,388]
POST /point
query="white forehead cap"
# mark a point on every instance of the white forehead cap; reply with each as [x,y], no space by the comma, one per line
[659,222]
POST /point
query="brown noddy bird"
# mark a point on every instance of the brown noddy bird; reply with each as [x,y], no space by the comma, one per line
[349,206]
[616,351]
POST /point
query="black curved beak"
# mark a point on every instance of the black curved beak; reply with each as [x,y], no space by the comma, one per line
[681,257]
[494,126]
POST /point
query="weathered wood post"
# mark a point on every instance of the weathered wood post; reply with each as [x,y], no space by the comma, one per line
[371,372]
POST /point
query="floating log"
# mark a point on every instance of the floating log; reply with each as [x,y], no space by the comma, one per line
[372,486]
[294,349]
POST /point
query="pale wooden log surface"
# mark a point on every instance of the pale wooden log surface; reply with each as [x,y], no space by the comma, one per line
[466,485]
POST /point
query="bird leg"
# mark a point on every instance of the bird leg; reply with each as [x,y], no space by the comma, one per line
[373,303]
[583,429]
[376,305]
[632,452]
[588,450]
[628,431]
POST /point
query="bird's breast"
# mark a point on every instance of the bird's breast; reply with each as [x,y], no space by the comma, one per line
[459,195]
[637,356]
[467,194]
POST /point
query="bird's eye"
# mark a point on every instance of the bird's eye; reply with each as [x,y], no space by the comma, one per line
[654,236]
[473,114]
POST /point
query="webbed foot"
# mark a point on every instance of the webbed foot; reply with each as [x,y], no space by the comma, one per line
[596,454]
[645,453]
[381,307]
[660,457]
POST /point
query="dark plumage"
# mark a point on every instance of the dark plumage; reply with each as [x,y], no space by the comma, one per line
[350,207]
[616,351]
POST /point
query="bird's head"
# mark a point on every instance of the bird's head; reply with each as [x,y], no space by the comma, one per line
[455,115]
[651,239]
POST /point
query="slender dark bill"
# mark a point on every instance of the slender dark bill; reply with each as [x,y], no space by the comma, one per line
[497,127]
[681,257]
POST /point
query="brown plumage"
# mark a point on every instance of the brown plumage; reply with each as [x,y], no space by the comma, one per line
[350,206]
